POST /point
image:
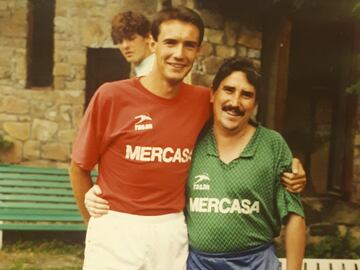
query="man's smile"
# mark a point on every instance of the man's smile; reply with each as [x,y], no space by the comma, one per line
[176,65]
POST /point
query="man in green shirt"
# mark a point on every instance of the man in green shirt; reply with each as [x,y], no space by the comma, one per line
[236,203]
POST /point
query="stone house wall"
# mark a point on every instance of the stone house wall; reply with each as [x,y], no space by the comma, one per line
[42,122]
[224,37]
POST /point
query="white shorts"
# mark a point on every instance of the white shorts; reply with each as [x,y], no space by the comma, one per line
[130,242]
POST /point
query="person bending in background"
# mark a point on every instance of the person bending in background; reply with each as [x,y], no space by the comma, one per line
[130,32]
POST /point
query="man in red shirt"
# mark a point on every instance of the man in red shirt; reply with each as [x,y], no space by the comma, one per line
[141,133]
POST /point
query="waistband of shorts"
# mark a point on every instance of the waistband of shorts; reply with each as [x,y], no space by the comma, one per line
[148,219]
[244,252]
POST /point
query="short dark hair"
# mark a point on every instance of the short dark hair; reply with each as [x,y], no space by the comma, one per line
[126,24]
[239,64]
[183,14]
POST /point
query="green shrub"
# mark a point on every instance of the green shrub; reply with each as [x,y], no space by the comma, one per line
[4,144]
[335,247]
[331,247]
[353,89]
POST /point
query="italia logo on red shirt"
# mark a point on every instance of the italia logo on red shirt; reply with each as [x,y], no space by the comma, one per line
[143,123]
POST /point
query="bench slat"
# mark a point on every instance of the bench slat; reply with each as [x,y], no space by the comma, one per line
[36,198]
[42,227]
[20,183]
[32,170]
[37,205]
[326,264]
[40,218]
[36,170]
[39,177]
[38,212]
[27,190]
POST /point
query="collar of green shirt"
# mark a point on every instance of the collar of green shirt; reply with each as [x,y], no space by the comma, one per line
[249,150]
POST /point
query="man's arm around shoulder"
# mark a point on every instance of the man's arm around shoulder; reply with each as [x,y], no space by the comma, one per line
[80,182]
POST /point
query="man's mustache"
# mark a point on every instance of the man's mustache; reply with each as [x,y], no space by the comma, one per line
[234,110]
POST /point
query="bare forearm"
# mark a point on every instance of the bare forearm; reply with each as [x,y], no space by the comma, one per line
[81,183]
[295,242]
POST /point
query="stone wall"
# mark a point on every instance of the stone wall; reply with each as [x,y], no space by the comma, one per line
[42,122]
[224,37]
[13,32]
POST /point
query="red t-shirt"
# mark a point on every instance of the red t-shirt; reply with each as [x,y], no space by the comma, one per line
[142,143]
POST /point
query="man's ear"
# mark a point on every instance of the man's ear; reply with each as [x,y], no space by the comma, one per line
[211,96]
[151,42]
[255,111]
[200,48]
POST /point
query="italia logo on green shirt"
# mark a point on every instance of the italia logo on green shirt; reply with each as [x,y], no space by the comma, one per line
[202,182]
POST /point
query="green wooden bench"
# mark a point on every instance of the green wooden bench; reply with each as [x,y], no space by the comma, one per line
[37,199]
[326,264]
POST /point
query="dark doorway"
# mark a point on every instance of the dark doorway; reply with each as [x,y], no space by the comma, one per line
[40,43]
[314,122]
[103,65]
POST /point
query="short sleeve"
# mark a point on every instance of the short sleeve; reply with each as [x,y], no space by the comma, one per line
[91,134]
[286,202]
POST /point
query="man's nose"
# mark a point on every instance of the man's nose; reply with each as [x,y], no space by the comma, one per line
[235,100]
[124,44]
[179,51]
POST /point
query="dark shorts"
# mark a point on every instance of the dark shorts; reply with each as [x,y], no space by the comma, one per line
[259,258]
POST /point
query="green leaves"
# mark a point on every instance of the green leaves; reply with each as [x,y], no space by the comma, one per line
[4,144]
[354,88]
[356,9]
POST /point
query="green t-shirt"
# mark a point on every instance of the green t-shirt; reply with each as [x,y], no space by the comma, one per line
[240,205]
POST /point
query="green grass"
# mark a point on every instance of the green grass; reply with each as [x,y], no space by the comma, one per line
[41,255]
